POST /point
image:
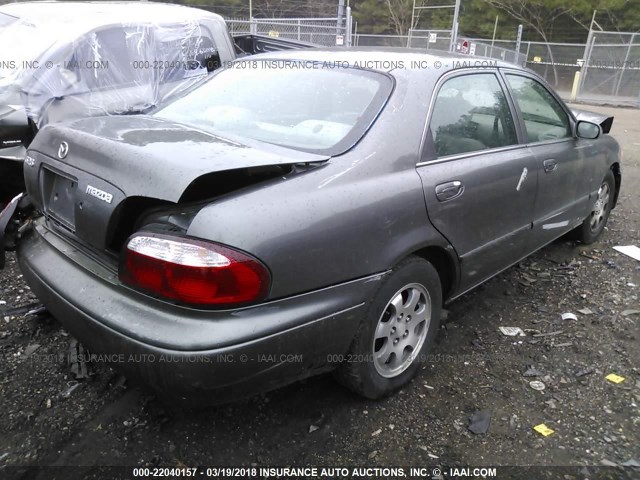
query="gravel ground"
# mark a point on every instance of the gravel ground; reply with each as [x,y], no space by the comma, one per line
[48,417]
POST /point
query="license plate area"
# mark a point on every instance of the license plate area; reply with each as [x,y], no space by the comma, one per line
[59,197]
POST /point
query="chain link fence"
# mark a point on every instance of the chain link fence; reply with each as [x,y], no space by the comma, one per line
[611,68]
[609,63]
[500,50]
[432,40]
[319,31]
[557,63]
[429,39]
[440,40]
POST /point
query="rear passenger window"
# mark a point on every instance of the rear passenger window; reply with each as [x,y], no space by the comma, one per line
[544,117]
[470,114]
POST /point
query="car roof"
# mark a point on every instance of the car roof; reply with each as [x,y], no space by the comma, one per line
[91,15]
[388,59]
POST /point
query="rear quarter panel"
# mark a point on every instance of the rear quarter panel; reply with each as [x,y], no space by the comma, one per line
[357,215]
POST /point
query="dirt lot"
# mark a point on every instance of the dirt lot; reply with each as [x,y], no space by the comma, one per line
[49,418]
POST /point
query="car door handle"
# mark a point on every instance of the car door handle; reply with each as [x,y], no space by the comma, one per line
[449,190]
[550,165]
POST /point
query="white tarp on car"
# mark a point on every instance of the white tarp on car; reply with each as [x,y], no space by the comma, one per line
[66,60]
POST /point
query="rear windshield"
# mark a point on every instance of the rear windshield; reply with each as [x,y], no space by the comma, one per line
[299,105]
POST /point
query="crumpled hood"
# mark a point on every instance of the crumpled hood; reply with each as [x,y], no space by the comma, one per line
[151,157]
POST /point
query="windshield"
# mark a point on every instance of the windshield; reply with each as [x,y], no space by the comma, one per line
[292,104]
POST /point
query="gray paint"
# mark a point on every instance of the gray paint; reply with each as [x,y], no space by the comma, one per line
[358,213]
[150,157]
[329,231]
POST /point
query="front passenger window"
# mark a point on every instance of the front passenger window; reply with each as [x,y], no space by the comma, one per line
[544,118]
[470,114]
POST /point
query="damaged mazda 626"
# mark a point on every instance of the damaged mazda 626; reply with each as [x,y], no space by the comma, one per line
[302,211]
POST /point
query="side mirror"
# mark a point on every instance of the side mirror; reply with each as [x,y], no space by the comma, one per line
[587,130]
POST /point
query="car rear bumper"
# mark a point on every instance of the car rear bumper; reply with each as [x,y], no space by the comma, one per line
[182,352]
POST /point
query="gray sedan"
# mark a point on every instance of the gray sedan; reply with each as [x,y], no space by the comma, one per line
[301,212]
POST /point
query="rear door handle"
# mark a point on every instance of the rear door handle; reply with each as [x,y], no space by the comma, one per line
[550,165]
[449,190]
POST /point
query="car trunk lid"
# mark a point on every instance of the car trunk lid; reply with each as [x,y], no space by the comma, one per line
[82,174]
[156,158]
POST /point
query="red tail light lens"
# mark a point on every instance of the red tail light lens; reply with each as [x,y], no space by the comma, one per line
[193,272]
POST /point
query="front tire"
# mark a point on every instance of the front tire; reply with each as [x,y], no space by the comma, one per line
[400,324]
[594,224]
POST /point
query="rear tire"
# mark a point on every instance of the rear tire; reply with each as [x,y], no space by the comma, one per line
[594,224]
[397,332]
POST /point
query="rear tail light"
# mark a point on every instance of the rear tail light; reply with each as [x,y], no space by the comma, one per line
[193,272]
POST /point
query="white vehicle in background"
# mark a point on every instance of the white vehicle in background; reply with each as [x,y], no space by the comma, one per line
[66,60]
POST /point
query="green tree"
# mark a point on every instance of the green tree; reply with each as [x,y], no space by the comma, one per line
[559,20]
[400,14]
[477,20]
[616,15]
[372,16]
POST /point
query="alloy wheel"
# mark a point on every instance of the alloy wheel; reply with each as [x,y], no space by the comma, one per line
[600,208]
[401,330]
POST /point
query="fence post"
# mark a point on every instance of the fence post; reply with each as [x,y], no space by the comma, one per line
[454,37]
[585,61]
[340,22]
[624,64]
[574,87]
[454,27]
[518,42]
[493,39]
[586,56]
[349,27]
[355,34]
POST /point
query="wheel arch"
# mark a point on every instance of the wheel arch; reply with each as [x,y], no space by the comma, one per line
[617,175]
[444,260]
